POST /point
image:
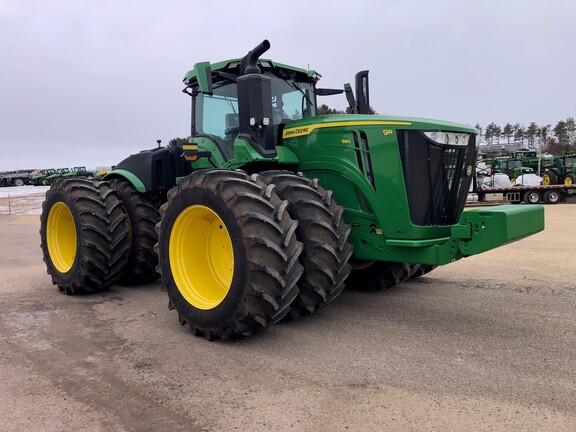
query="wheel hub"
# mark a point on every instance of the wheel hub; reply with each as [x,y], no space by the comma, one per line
[61,237]
[201,257]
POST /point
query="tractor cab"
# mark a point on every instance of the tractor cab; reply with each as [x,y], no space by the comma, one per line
[566,162]
[250,99]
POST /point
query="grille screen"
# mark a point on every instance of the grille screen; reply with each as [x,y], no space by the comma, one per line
[435,177]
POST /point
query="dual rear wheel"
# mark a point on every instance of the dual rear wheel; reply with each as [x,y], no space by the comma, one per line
[84,235]
[96,233]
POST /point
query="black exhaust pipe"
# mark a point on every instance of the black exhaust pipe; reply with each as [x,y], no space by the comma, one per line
[250,62]
[255,103]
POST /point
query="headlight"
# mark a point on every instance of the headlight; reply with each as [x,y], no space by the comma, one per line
[449,138]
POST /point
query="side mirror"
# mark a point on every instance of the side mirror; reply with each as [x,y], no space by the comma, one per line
[204,75]
[328,92]
[350,98]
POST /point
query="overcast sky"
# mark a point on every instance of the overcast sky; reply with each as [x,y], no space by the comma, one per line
[90,82]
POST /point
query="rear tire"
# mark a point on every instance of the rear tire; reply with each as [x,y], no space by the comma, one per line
[551,197]
[532,197]
[377,275]
[19,182]
[324,234]
[228,254]
[143,215]
[570,179]
[83,235]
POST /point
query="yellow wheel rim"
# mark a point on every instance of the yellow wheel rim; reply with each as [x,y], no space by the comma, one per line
[568,180]
[61,237]
[546,180]
[201,257]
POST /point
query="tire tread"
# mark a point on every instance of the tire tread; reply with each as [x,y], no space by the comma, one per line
[101,231]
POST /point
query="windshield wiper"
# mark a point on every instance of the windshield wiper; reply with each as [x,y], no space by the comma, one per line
[295,85]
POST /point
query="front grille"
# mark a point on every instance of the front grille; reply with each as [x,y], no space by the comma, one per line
[436,177]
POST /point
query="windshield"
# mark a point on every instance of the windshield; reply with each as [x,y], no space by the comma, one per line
[292,100]
[217,114]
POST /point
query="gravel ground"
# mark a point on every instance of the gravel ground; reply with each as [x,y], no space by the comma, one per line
[486,343]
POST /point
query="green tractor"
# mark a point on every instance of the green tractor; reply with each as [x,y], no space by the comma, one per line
[513,168]
[562,171]
[60,172]
[78,172]
[38,179]
[269,209]
[531,159]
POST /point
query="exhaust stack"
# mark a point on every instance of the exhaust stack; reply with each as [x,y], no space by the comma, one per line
[250,61]
[255,103]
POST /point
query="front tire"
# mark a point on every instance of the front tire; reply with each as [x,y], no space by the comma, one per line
[419,270]
[228,254]
[83,235]
[377,275]
[324,234]
[549,178]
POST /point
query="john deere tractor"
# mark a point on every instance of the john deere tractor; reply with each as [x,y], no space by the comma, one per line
[562,171]
[269,208]
[50,178]
[513,168]
[78,172]
[39,178]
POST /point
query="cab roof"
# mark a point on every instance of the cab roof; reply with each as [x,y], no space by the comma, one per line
[232,67]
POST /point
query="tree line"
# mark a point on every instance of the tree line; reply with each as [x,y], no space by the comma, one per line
[326,110]
[554,140]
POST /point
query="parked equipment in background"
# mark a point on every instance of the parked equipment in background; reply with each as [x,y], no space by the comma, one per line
[16,178]
[78,172]
[488,185]
[563,170]
[513,168]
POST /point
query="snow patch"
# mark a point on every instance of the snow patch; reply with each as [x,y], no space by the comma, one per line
[22,200]
[20,191]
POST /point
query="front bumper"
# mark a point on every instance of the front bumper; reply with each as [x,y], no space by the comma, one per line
[477,231]
[496,226]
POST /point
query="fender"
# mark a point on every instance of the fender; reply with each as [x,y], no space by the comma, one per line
[131,177]
[152,170]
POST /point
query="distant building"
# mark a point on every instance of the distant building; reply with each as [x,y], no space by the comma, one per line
[493,150]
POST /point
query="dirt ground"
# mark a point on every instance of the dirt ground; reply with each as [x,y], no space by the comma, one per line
[483,344]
